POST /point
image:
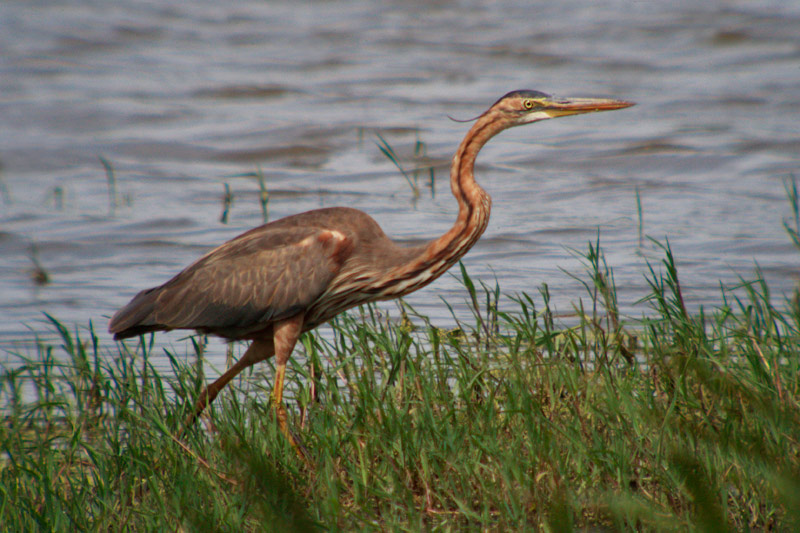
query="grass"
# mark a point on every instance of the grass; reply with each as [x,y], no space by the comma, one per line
[412,176]
[227,202]
[514,421]
[112,185]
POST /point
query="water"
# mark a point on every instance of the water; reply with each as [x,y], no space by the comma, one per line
[184,98]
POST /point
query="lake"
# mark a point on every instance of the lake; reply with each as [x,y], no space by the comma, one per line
[184,99]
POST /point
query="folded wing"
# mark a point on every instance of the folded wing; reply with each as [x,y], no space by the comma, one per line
[264,275]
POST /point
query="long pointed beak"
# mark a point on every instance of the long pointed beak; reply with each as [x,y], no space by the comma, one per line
[561,107]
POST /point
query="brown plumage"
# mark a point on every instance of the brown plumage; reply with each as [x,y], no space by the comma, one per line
[276,281]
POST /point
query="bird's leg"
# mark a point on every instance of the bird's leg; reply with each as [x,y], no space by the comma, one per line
[259,350]
[285,335]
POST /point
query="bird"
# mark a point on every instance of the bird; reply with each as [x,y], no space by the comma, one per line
[279,280]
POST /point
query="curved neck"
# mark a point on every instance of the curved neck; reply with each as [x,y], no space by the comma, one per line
[474,206]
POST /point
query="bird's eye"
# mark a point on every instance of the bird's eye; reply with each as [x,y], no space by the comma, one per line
[528,104]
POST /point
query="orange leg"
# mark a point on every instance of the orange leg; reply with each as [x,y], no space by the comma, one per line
[259,350]
[286,333]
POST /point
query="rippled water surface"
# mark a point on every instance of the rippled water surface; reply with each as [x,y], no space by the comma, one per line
[184,98]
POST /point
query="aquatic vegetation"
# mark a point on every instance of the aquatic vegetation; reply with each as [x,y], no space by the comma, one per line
[517,420]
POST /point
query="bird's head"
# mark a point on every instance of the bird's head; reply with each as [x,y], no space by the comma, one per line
[525,106]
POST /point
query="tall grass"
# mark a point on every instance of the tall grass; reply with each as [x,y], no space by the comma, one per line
[678,420]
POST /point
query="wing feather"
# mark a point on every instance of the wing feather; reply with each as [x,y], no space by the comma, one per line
[259,277]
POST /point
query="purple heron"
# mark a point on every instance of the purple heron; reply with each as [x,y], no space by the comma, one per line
[277,281]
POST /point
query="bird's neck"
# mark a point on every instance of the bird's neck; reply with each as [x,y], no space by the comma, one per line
[474,206]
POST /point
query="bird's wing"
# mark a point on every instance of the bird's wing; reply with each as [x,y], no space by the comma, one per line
[261,276]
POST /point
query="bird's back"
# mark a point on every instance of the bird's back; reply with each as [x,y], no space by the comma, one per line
[268,273]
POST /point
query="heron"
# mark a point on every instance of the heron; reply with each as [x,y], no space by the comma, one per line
[277,281]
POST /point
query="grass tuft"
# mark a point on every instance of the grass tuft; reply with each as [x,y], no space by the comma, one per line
[512,421]
[412,176]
